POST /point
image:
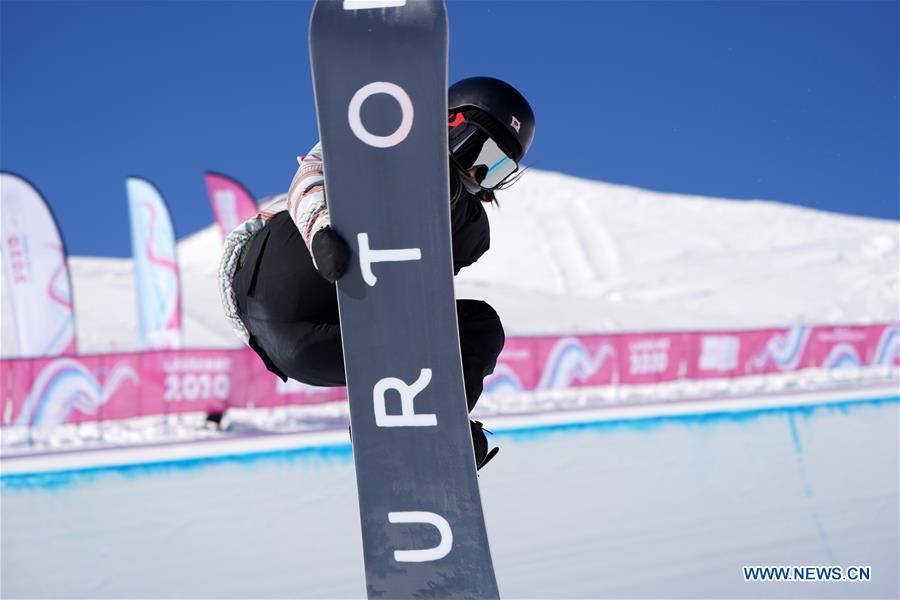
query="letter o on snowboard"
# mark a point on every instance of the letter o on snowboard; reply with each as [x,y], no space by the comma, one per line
[397,93]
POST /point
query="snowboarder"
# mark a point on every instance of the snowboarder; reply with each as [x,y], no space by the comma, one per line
[279,269]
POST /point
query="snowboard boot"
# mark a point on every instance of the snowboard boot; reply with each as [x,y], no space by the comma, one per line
[479,440]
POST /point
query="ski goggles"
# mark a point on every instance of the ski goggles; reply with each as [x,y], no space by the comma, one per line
[472,147]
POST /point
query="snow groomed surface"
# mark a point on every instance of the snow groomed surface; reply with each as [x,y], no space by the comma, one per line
[661,507]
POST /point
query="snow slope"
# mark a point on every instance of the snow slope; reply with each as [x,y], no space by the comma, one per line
[574,255]
[645,509]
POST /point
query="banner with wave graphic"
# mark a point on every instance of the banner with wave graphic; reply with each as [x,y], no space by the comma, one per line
[37,273]
[155,267]
[48,392]
[552,363]
[231,203]
[883,345]
[52,391]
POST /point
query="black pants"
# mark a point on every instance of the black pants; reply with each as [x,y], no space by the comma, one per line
[292,315]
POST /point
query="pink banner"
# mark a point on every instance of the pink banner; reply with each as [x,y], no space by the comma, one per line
[883,345]
[651,358]
[51,391]
[835,347]
[517,367]
[46,392]
[575,361]
[734,353]
[231,203]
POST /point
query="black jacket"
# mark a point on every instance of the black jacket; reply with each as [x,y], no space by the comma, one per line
[468,224]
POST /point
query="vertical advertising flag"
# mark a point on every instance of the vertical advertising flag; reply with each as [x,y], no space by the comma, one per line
[155,267]
[231,203]
[36,272]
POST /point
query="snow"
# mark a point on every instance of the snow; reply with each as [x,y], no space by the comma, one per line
[572,255]
[189,437]
[666,508]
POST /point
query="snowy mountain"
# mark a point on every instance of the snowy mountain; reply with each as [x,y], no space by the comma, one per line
[573,255]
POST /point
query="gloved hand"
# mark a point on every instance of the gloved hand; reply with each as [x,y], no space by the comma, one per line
[329,253]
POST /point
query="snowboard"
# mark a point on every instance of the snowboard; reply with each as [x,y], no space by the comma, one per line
[380,78]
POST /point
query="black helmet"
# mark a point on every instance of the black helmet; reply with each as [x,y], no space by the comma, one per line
[511,120]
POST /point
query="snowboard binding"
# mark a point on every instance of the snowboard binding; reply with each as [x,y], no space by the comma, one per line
[482,455]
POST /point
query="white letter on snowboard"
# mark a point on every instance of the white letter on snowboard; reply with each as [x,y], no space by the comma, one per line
[367,256]
[430,518]
[406,108]
[366,4]
[408,416]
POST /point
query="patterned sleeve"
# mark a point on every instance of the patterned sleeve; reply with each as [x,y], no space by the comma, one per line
[306,198]
[236,246]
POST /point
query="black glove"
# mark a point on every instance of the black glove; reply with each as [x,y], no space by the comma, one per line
[330,254]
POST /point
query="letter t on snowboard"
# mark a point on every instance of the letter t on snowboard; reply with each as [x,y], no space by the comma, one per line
[367,256]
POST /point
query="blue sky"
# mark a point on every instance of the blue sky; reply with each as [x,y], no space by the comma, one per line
[788,101]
